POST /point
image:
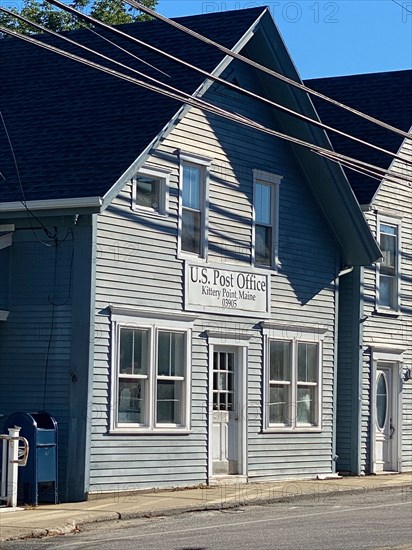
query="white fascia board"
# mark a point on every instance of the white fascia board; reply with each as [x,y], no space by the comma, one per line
[180,114]
[7,228]
[51,204]
[4,314]
[399,153]
[6,240]
[341,187]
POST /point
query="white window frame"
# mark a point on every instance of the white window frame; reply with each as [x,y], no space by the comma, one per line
[272,180]
[293,336]
[395,222]
[147,321]
[203,164]
[163,175]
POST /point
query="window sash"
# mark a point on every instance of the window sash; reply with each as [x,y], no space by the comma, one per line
[151,199]
[132,399]
[148,192]
[263,204]
[191,238]
[279,403]
[263,245]
[192,187]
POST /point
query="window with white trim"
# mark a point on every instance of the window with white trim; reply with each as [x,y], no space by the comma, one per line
[151,381]
[293,381]
[194,178]
[151,190]
[265,218]
[388,270]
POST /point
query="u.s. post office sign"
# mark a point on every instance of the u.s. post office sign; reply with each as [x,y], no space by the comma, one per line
[229,291]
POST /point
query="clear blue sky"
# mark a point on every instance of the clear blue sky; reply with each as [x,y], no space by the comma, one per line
[329,38]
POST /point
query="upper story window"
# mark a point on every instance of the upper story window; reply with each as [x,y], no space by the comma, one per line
[192,211]
[151,375]
[388,271]
[265,218]
[293,380]
[151,190]
[194,180]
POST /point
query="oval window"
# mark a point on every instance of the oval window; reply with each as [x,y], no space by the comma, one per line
[381,400]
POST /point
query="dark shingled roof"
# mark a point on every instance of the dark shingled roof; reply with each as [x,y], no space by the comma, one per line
[386,96]
[76,130]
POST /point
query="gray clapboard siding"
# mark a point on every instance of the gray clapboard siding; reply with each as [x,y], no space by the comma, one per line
[348,372]
[300,294]
[4,278]
[380,329]
[26,335]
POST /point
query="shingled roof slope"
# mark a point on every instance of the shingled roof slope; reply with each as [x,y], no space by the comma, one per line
[75,130]
[386,96]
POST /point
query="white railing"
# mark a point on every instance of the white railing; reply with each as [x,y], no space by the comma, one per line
[15,453]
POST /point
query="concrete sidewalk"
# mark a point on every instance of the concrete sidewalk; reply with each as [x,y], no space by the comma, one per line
[51,520]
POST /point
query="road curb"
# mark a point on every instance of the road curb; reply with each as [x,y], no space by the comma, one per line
[75,524]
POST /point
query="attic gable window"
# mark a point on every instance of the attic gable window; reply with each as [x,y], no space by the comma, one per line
[151,190]
[265,218]
[388,271]
[193,218]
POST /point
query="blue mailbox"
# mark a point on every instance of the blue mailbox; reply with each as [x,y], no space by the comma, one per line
[40,430]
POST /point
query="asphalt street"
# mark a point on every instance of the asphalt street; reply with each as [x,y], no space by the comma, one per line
[375,520]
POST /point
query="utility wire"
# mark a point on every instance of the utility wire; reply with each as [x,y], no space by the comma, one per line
[402,6]
[86,48]
[184,96]
[23,201]
[203,105]
[210,76]
[127,52]
[256,65]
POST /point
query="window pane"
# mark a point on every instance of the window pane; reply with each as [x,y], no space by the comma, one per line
[148,192]
[263,203]
[388,229]
[381,401]
[305,413]
[307,362]
[389,249]
[133,351]
[263,245]
[191,231]
[169,402]
[387,291]
[279,360]
[171,354]
[278,405]
[131,401]
[191,187]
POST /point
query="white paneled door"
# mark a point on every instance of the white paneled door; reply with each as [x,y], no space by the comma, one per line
[386,421]
[225,412]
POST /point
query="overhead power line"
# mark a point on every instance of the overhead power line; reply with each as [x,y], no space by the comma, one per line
[244,91]
[23,199]
[256,65]
[86,48]
[232,85]
[206,106]
[403,6]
